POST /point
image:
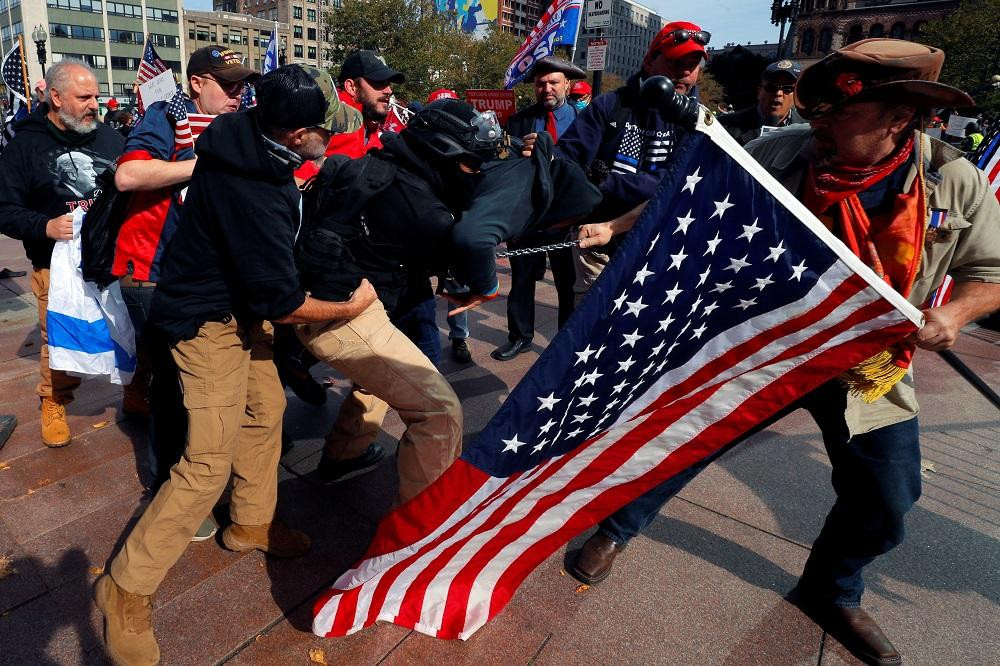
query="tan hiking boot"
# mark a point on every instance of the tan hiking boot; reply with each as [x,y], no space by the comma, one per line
[55,429]
[275,539]
[128,630]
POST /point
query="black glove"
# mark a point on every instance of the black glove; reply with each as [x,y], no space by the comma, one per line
[658,92]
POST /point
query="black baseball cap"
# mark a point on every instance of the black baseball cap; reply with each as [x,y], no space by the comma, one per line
[222,63]
[369,65]
[789,68]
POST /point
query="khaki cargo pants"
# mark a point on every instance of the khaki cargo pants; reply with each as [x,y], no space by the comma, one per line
[235,404]
[392,372]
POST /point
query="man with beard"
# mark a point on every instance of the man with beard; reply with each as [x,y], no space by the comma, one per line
[775,104]
[228,272]
[46,173]
[366,85]
[550,113]
[915,212]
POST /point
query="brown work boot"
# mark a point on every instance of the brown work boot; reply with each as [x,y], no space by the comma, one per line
[275,539]
[55,429]
[593,562]
[128,631]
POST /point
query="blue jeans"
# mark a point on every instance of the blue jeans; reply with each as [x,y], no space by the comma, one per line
[876,476]
[458,325]
[419,324]
[168,416]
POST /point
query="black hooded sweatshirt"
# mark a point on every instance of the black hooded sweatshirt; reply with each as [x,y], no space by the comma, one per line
[232,251]
[46,172]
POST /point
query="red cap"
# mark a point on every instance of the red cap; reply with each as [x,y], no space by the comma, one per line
[664,43]
[580,88]
[442,93]
[112,104]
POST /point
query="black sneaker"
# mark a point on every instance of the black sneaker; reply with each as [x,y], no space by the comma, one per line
[334,471]
[460,351]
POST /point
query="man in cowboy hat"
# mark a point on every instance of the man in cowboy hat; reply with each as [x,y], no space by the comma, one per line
[775,104]
[914,211]
[551,113]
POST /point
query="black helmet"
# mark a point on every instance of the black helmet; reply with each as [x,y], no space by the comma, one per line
[452,129]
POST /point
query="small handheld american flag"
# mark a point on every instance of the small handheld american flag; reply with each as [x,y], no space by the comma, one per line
[150,66]
[187,126]
[15,77]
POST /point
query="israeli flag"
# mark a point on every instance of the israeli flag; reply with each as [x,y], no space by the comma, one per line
[90,332]
[271,55]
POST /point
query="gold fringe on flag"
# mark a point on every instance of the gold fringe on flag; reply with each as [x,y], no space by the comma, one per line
[872,378]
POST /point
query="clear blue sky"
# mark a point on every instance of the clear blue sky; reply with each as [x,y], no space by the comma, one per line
[728,20]
[737,21]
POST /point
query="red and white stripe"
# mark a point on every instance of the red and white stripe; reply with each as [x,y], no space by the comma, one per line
[187,130]
[448,578]
[992,171]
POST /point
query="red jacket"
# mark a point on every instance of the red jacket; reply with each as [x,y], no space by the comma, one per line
[351,144]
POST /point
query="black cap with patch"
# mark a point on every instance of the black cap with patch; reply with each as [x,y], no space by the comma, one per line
[222,63]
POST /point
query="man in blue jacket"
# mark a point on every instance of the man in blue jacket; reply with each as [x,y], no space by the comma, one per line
[625,144]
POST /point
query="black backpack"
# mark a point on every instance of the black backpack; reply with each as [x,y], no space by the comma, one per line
[333,225]
[99,231]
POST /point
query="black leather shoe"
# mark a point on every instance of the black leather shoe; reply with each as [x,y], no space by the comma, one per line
[511,349]
[460,351]
[593,562]
[7,424]
[333,471]
[6,274]
[853,627]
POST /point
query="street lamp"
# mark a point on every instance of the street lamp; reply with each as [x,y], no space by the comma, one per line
[39,36]
[783,11]
[281,53]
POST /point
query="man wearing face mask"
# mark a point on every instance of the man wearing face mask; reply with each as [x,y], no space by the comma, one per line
[775,104]
[228,273]
[46,172]
[551,113]
[580,94]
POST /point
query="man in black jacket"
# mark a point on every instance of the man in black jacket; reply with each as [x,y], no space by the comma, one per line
[46,172]
[551,113]
[775,105]
[227,273]
[442,205]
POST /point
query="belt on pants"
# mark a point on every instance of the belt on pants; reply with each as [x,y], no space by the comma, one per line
[129,281]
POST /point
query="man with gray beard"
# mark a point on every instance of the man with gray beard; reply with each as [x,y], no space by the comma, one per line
[46,172]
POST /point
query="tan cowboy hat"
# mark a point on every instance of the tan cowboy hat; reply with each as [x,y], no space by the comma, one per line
[875,70]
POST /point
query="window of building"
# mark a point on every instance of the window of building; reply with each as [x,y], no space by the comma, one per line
[95,61]
[825,40]
[94,6]
[311,33]
[855,33]
[77,31]
[808,40]
[128,64]
[312,52]
[296,12]
[898,30]
[169,41]
[274,14]
[311,15]
[8,32]
[297,50]
[297,31]
[165,15]
[877,30]
[122,9]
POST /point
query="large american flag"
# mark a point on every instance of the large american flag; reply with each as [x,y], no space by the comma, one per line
[150,66]
[15,77]
[187,126]
[558,25]
[724,304]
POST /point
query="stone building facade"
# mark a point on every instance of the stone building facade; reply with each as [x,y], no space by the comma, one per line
[822,26]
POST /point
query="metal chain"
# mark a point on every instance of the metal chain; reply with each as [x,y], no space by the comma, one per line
[536,250]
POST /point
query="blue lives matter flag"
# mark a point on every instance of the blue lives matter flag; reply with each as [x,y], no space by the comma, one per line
[14,72]
[725,303]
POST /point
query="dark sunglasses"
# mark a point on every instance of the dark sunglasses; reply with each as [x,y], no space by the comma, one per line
[773,88]
[680,36]
[228,87]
